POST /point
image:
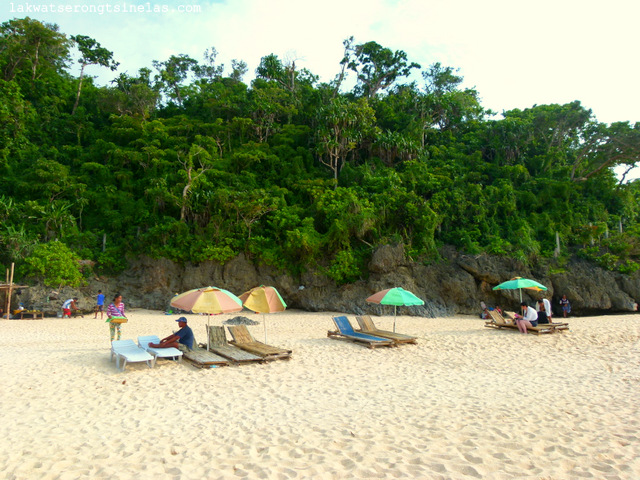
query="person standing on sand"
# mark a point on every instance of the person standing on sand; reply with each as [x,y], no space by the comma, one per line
[115,310]
[100,305]
[529,318]
[566,306]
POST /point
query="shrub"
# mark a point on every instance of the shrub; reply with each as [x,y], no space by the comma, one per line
[55,265]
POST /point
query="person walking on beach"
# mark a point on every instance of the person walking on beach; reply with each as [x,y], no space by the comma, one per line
[183,336]
[566,306]
[529,318]
[100,305]
[115,316]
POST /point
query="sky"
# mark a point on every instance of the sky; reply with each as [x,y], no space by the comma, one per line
[515,53]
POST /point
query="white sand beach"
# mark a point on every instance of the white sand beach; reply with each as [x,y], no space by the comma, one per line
[465,402]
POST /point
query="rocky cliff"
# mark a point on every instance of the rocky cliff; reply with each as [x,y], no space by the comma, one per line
[455,285]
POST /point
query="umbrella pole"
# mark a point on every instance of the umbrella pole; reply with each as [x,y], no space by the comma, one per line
[264,322]
[208,318]
[394,319]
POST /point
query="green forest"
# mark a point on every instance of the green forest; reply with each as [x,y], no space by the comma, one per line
[187,161]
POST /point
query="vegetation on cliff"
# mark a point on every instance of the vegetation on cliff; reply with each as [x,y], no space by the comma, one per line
[186,161]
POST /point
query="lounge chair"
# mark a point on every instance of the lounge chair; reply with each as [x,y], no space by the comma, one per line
[129,352]
[345,330]
[368,327]
[171,352]
[499,322]
[243,339]
[201,357]
[218,344]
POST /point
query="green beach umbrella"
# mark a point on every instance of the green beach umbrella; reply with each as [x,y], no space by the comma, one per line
[520,283]
[397,297]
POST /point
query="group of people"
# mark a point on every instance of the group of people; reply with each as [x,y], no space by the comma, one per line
[115,314]
[116,317]
[542,314]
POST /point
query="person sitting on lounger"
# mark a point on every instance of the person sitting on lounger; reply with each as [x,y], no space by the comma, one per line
[541,308]
[183,336]
[544,305]
[529,318]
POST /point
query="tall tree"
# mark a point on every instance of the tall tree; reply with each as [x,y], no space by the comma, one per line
[208,69]
[377,67]
[342,125]
[31,47]
[172,73]
[91,53]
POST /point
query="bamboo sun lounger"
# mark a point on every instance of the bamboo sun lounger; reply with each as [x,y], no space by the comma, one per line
[243,339]
[367,326]
[499,322]
[201,357]
[346,331]
[218,344]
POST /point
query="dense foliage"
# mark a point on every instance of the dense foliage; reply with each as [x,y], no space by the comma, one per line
[189,163]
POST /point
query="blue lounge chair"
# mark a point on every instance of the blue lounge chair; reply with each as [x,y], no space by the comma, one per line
[345,330]
[129,352]
[171,352]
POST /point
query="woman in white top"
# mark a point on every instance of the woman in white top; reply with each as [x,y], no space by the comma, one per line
[529,318]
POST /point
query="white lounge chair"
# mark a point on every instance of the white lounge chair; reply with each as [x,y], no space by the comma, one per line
[170,352]
[129,352]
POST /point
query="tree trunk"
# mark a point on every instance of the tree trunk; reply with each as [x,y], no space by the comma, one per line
[75,105]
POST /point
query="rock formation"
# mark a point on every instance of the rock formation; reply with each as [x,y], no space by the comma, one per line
[456,284]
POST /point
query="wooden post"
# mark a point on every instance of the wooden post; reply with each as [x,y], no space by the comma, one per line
[9,294]
[6,298]
[104,242]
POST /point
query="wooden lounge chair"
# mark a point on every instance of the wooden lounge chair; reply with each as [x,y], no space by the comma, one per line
[367,326]
[346,331]
[499,322]
[202,358]
[243,339]
[218,344]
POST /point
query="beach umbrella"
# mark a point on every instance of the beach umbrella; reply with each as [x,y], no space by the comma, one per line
[397,297]
[210,300]
[263,300]
[520,283]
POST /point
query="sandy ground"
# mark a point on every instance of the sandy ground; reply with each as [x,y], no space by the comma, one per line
[465,402]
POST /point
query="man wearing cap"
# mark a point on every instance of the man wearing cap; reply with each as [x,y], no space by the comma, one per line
[183,336]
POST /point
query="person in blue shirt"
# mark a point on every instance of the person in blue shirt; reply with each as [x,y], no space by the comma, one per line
[99,305]
[183,336]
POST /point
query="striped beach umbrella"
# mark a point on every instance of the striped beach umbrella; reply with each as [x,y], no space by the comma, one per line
[397,297]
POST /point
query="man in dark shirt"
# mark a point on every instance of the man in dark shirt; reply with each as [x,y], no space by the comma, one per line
[183,336]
